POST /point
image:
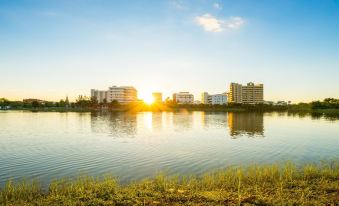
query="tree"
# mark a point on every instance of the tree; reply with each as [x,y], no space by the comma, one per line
[83,101]
[115,103]
[4,102]
[94,101]
[329,100]
[35,104]
[49,104]
[62,103]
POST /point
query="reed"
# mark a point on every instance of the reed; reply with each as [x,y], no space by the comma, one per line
[276,184]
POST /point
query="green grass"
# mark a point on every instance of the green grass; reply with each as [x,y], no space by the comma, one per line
[278,184]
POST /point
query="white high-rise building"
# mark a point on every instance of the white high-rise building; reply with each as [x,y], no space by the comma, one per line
[183,98]
[99,95]
[123,94]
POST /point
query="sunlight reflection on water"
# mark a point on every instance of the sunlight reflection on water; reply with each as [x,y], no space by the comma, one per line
[136,145]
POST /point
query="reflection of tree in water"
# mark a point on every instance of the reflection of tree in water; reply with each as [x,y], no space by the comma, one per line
[242,123]
[117,124]
[331,117]
[298,114]
[315,115]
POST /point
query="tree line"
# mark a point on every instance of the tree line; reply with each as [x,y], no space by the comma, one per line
[328,103]
[92,103]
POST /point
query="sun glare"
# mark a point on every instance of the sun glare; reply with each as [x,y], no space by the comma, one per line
[148,99]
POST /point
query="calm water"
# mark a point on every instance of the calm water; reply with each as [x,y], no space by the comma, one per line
[132,146]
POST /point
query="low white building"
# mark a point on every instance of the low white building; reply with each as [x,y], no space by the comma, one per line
[123,94]
[214,98]
[219,99]
[183,98]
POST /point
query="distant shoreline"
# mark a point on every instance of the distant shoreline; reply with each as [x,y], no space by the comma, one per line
[183,108]
[328,106]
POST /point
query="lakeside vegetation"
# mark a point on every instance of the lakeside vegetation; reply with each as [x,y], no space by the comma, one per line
[328,106]
[277,184]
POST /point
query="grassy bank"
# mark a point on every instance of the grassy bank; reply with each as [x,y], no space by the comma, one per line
[258,185]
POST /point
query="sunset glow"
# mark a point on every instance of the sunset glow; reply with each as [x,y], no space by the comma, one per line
[147,98]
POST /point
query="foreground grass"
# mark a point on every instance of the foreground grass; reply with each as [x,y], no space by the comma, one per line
[255,185]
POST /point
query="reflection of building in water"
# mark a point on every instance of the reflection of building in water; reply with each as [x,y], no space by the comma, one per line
[183,120]
[114,124]
[167,121]
[246,123]
[157,122]
[211,119]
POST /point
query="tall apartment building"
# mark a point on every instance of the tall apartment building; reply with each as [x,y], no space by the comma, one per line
[157,97]
[246,94]
[235,93]
[253,93]
[205,98]
[123,94]
[183,98]
[214,98]
[99,95]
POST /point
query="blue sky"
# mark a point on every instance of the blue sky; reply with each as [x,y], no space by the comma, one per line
[53,48]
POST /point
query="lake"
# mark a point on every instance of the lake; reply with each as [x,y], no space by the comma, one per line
[50,145]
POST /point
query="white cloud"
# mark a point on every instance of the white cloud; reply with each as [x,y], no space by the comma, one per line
[212,24]
[217,6]
[178,4]
[235,22]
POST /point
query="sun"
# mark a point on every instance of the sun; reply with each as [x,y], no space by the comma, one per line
[148,99]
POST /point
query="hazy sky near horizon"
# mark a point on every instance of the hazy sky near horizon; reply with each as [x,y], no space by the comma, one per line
[53,48]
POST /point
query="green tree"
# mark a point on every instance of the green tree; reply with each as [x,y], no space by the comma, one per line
[62,103]
[94,101]
[35,104]
[115,103]
[83,101]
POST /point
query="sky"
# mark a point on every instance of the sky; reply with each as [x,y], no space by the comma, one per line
[50,49]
